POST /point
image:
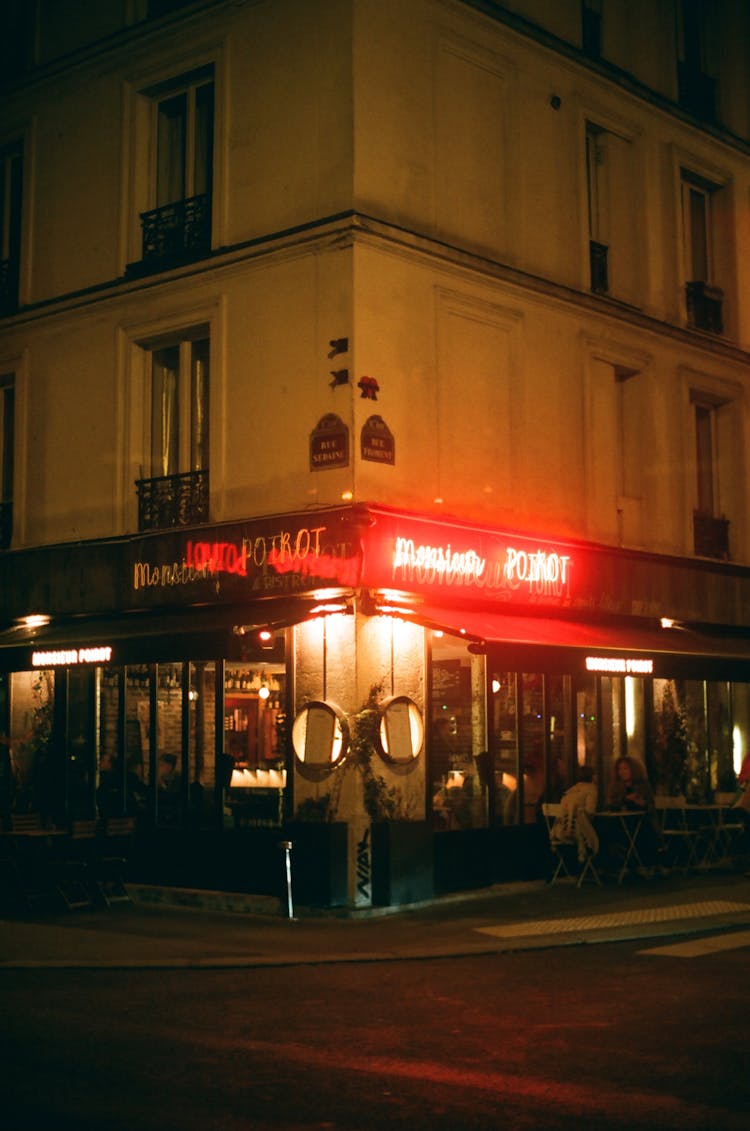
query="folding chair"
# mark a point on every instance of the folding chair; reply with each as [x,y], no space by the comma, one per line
[562,850]
[730,828]
[680,840]
[76,878]
[112,863]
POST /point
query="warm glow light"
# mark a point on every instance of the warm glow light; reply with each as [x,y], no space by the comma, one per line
[738,749]
[495,686]
[263,691]
[667,622]
[629,706]
[34,620]
[347,496]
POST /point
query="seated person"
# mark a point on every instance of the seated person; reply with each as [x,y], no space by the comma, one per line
[631,792]
[573,825]
[630,788]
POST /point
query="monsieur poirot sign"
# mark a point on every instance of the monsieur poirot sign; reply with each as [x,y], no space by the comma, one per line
[365,546]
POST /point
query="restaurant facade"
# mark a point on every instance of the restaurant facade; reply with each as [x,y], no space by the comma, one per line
[393,694]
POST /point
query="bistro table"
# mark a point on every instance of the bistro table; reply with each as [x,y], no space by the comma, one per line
[621,826]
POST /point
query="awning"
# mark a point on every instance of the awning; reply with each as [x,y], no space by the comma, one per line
[534,643]
[200,632]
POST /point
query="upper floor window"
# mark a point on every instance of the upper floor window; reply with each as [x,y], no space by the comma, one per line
[696,86]
[591,27]
[11,182]
[703,299]
[7,453]
[176,227]
[176,491]
[611,200]
[713,437]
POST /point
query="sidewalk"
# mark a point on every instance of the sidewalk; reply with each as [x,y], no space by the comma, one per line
[150,933]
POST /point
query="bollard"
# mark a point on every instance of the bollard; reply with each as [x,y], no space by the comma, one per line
[287,846]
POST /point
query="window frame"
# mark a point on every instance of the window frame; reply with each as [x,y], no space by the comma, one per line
[142,93]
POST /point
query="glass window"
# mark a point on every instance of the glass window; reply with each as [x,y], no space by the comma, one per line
[10,225]
[179,407]
[458,759]
[254,742]
[184,139]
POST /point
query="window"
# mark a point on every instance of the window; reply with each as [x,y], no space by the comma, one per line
[10,226]
[696,87]
[176,492]
[703,299]
[710,528]
[177,226]
[612,205]
[7,428]
[591,27]
[595,156]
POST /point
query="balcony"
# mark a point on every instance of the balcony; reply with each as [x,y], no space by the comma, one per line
[6,524]
[710,536]
[598,262]
[172,500]
[174,234]
[704,307]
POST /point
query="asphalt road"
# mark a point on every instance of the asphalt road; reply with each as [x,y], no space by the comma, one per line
[620,1035]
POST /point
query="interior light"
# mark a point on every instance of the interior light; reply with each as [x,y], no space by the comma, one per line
[347,496]
[629,706]
[738,749]
[667,622]
[263,691]
[34,620]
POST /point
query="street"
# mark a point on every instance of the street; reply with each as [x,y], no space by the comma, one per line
[626,1035]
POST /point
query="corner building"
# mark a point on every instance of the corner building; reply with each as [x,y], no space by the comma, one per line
[373,425]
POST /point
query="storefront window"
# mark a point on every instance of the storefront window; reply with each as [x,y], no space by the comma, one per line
[171,774]
[254,694]
[533,745]
[202,744]
[33,770]
[81,742]
[457,743]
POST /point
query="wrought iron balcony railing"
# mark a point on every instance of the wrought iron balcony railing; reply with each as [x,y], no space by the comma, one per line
[704,307]
[176,232]
[6,524]
[598,261]
[172,500]
[710,536]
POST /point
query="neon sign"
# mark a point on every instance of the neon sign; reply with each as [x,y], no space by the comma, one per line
[66,657]
[442,560]
[304,553]
[535,567]
[620,665]
[541,573]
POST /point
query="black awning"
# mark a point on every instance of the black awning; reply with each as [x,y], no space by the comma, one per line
[550,643]
[198,632]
